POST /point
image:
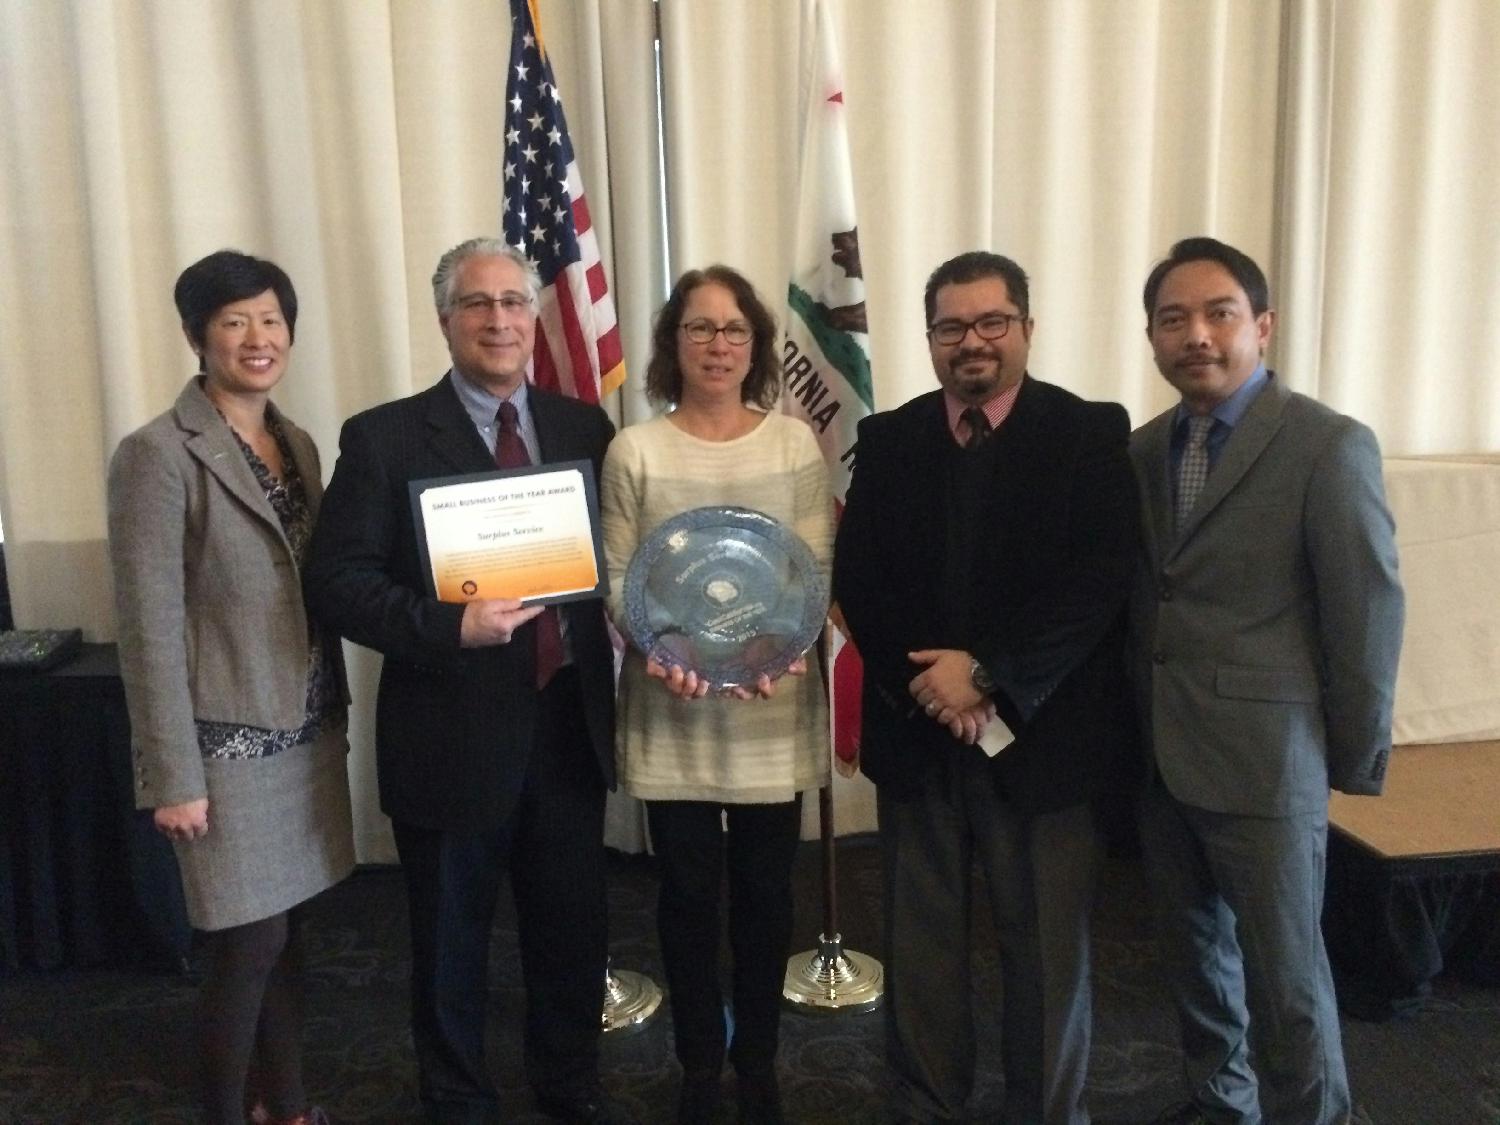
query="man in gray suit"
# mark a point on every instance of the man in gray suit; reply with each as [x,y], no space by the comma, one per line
[1266,622]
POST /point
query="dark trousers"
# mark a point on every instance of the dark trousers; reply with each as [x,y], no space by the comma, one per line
[1039,871]
[694,850]
[552,845]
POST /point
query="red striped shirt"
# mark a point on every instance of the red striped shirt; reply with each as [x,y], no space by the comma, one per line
[997,410]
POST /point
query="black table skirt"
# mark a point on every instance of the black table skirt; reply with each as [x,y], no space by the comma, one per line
[84,878]
[1393,925]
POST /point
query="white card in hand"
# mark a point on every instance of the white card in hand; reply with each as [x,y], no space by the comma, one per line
[996,737]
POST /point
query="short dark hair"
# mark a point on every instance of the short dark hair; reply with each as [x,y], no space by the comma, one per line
[976,265]
[222,278]
[663,375]
[1201,248]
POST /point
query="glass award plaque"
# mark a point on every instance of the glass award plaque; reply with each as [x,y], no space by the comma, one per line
[728,593]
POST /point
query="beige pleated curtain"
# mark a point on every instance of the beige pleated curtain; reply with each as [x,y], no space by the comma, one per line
[1348,145]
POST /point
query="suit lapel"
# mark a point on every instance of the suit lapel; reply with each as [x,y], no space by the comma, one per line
[1156,493]
[924,455]
[212,443]
[554,436]
[305,459]
[1015,446]
[934,428]
[1241,451]
[1027,418]
[451,433]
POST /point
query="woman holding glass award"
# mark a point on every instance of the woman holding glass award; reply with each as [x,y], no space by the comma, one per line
[720,772]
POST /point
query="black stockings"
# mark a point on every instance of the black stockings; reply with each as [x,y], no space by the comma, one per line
[252,1001]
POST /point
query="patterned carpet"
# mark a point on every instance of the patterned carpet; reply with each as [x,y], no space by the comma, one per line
[105,1046]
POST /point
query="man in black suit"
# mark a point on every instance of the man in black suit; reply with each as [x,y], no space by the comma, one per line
[490,761]
[982,564]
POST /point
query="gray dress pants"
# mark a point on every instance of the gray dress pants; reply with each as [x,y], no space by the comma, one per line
[1040,872]
[1238,901]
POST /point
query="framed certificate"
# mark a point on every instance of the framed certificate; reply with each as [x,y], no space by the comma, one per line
[530,533]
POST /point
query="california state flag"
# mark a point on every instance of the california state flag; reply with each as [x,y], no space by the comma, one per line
[826,349]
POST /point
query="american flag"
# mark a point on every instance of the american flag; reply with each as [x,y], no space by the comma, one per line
[578,339]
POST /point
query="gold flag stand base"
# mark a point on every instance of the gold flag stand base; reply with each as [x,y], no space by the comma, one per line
[833,979]
[631,1000]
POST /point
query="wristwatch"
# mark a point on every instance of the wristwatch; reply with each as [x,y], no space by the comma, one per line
[981,679]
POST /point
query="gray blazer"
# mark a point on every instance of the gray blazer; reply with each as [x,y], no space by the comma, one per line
[1265,635]
[208,597]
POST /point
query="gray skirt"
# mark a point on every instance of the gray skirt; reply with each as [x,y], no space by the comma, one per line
[279,831]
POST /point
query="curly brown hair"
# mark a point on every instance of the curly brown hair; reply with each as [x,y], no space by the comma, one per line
[762,385]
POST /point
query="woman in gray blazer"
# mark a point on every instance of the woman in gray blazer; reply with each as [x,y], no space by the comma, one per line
[237,700]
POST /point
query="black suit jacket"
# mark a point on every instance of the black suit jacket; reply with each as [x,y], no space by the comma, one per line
[454,726]
[1054,548]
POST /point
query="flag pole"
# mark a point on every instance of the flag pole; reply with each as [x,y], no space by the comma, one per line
[631,999]
[831,978]
[826,366]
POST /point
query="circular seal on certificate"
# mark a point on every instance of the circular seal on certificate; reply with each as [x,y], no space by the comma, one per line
[728,593]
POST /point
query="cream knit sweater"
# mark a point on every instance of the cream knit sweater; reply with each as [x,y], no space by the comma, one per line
[716,749]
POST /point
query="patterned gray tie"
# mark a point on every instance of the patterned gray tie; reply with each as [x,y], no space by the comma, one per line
[1192,471]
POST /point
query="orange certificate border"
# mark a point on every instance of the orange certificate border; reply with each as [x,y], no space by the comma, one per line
[531,533]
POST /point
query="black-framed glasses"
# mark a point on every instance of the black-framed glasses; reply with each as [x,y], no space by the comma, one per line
[512,304]
[703,331]
[990,326]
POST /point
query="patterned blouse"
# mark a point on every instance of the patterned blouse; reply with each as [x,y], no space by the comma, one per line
[325,709]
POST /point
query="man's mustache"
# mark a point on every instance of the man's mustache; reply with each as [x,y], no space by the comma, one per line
[968,354]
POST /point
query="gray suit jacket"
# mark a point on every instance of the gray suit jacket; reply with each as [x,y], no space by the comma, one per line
[208,599]
[1265,634]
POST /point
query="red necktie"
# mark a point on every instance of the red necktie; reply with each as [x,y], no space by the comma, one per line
[510,453]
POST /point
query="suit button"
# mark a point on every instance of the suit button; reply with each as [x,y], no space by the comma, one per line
[1158,658]
[1166,594]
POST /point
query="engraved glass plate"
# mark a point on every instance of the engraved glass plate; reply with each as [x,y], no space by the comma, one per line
[729,593]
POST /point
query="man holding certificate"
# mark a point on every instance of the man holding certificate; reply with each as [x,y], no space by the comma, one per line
[494,723]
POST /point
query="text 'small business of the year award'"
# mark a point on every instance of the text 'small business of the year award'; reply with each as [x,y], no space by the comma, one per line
[728,593]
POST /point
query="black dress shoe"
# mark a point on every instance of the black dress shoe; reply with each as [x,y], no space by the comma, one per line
[1180,1115]
[585,1107]
[699,1100]
[760,1099]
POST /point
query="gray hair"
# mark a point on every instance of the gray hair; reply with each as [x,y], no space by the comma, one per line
[444,277]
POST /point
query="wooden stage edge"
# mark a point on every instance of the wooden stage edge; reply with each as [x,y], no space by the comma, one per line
[1440,800]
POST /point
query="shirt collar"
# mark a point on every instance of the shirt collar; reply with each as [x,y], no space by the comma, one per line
[1232,409]
[482,406]
[996,410]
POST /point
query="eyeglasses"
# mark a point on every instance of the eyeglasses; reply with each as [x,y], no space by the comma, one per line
[703,331]
[512,304]
[991,326]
